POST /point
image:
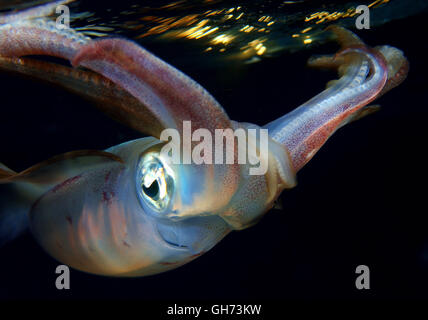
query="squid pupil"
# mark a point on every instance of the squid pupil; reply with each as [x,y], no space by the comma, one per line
[152,190]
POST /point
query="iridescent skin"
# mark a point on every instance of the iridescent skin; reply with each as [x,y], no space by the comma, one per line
[91,210]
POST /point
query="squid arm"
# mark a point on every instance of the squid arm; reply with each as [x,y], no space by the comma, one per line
[366,74]
[107,96]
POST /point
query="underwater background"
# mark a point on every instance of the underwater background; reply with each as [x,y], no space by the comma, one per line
[361,200]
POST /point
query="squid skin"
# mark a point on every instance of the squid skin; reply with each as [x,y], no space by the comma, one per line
[93,211]
[103,229]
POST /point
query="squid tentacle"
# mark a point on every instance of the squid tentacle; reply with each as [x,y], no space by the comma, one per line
[169,93]
[31,13]
[39,37]
[107,96]
[304,130]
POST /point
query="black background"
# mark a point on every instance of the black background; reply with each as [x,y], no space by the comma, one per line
[361,200]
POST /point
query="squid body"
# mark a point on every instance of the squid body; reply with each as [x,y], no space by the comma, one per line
[128,211]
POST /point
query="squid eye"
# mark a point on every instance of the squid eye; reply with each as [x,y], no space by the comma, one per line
[153,190]
[155,182]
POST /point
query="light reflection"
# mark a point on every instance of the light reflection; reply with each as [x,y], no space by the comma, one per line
[223,39]
[238,31]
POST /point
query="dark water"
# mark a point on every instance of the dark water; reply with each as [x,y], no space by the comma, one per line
[361,200]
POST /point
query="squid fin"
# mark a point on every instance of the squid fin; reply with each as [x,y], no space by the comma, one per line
[18,191]
[60,167]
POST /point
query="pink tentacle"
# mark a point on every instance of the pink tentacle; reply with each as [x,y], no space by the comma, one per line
[304,130]
[39,37]
[169,93]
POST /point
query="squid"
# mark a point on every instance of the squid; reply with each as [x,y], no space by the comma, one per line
[127,211]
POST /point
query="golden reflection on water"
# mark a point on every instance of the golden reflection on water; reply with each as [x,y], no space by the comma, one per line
[224,30]
[243,32]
